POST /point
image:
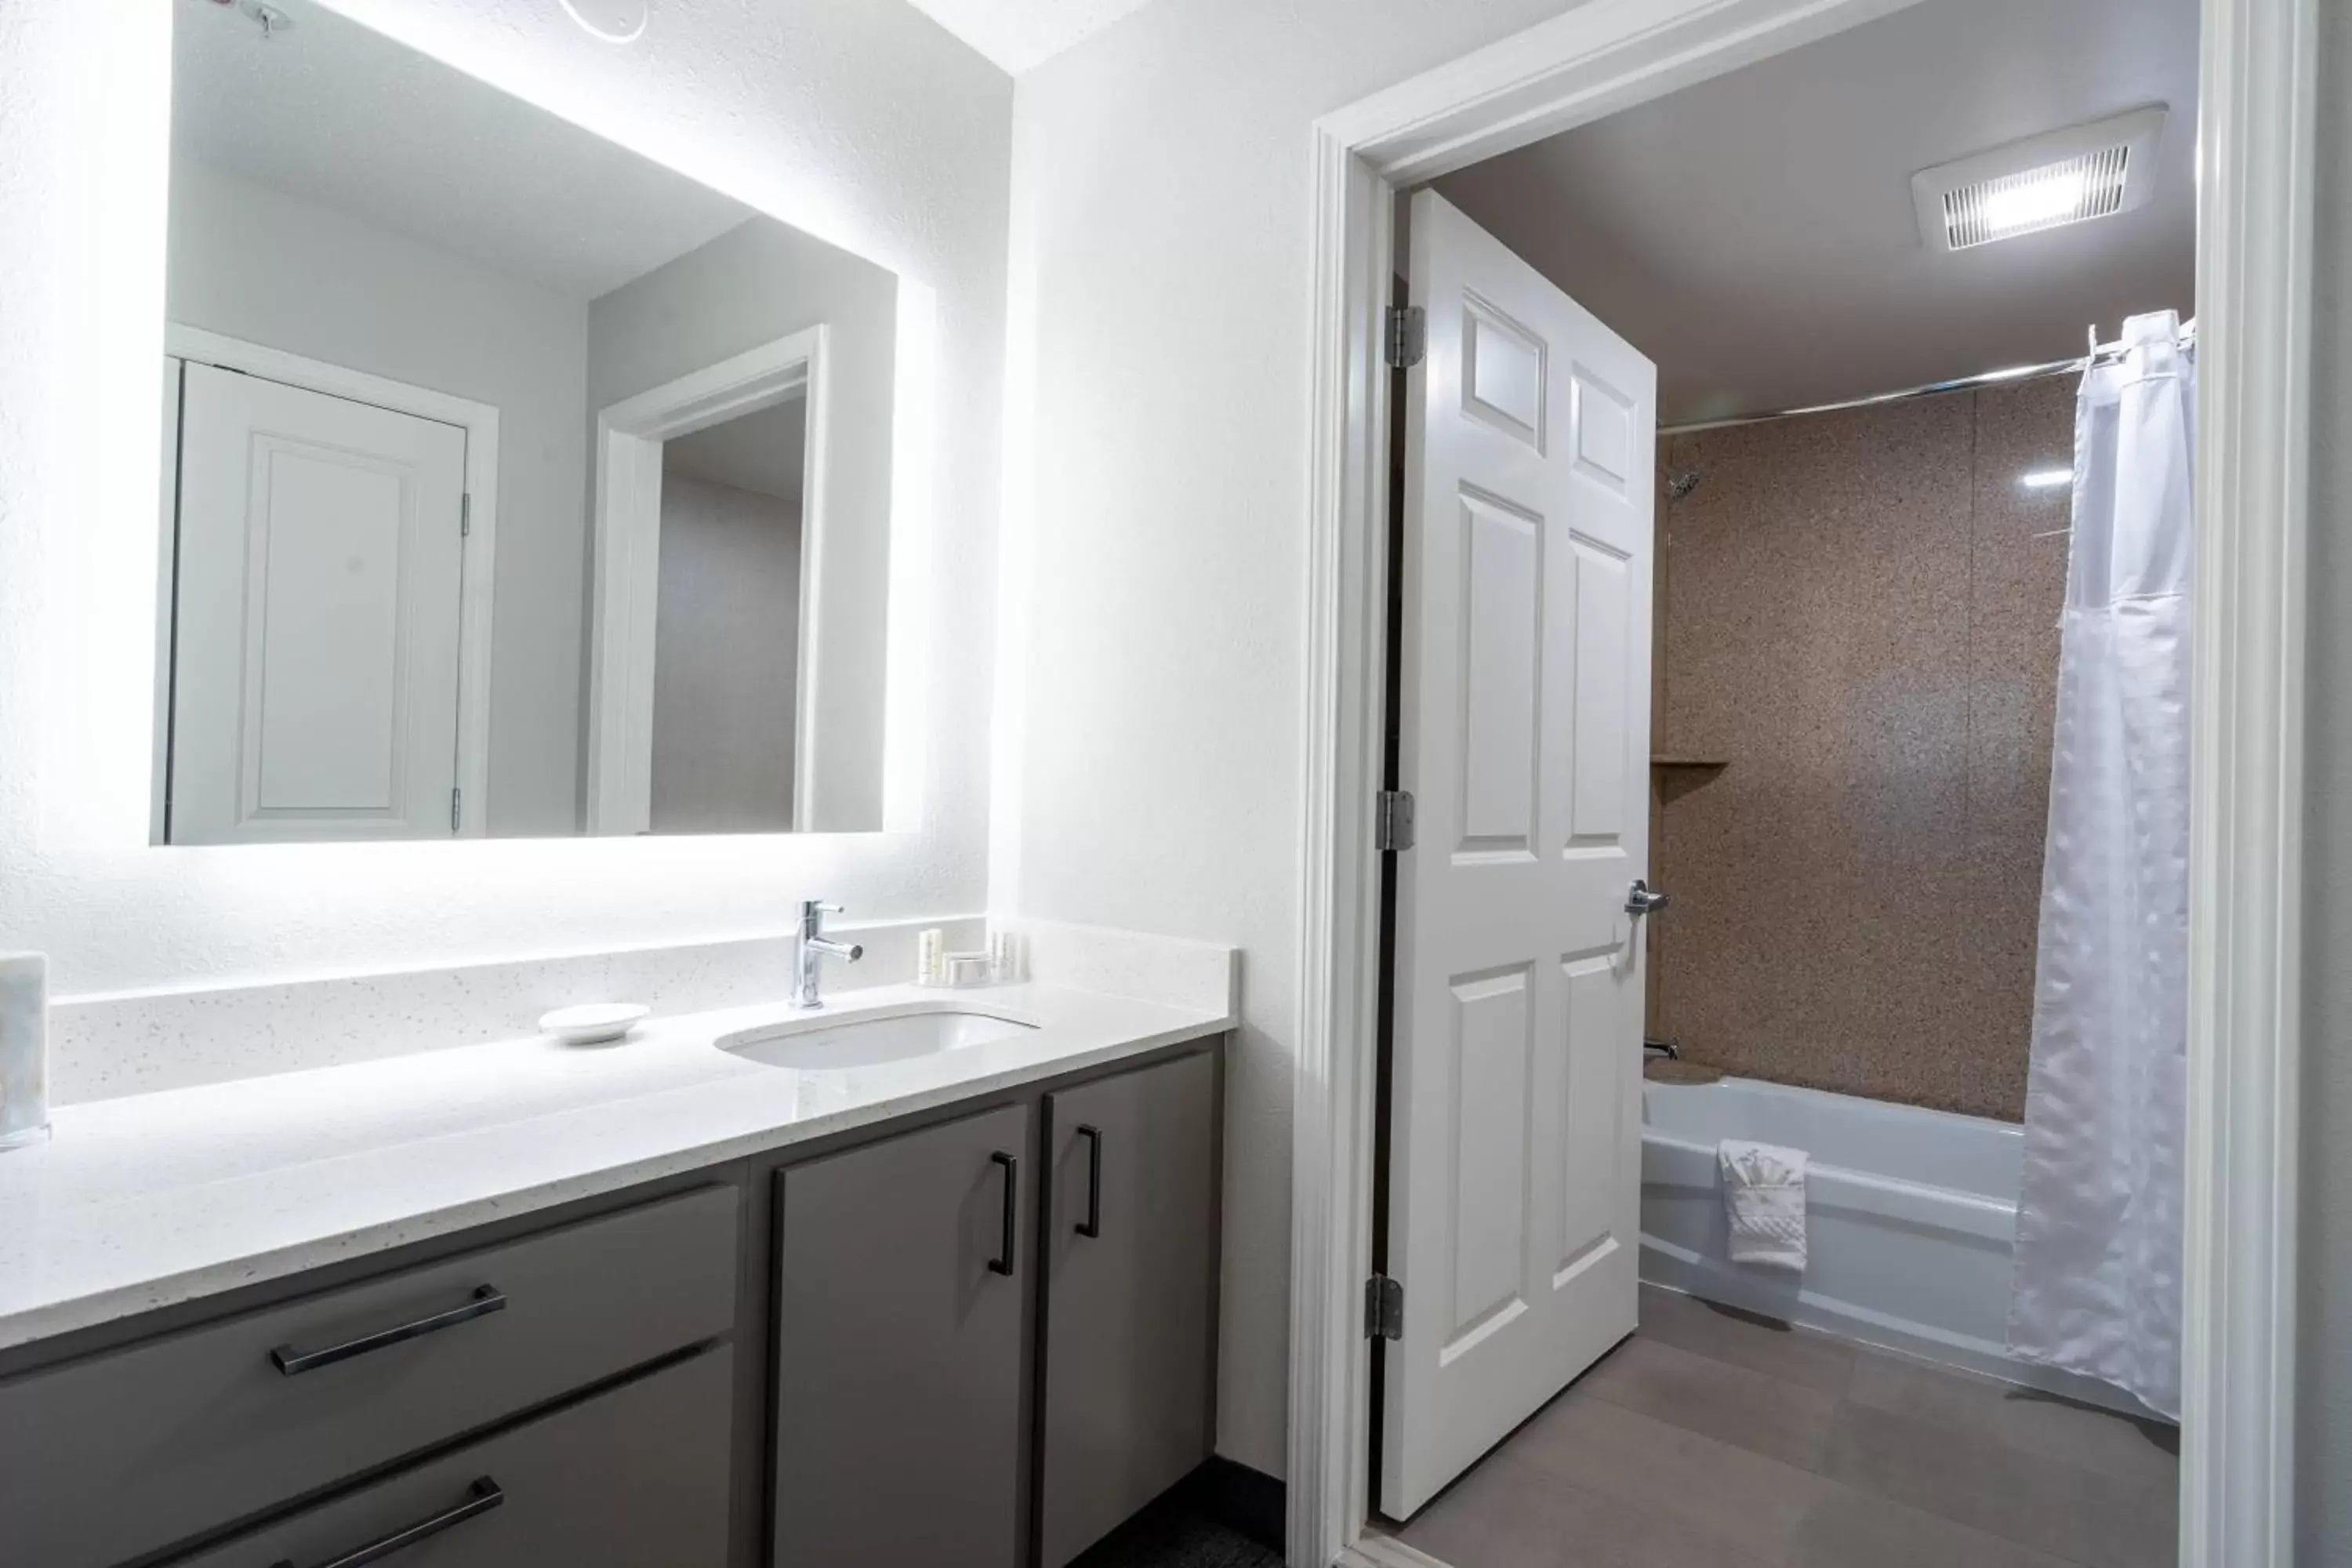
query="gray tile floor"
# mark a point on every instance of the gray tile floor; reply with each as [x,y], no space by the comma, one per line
[1712,1439]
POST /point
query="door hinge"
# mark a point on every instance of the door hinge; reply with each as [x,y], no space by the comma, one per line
[457,807]
[1394,820]
[1406,332]
[465,516]
[1383,1308]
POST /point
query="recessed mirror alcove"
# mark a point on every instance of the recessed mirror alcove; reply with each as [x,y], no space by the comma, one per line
[514,485]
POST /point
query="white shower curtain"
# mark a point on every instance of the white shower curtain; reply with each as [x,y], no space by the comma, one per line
[2097,1286]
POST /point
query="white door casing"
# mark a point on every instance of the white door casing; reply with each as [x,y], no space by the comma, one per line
[317,618]
[167,530]
[1514,1139]
[2257,137]
[630,436]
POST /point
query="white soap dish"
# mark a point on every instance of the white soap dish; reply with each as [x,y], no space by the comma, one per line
[593,1023]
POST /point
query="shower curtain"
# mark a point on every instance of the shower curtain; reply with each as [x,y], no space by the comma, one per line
[2097,1284]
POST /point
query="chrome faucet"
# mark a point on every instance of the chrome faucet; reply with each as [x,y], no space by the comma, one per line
[809,943]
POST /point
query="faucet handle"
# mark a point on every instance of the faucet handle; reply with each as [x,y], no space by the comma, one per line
[812,908]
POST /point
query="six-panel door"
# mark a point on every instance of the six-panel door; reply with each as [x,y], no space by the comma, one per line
[901,1349]
[1131,1254]
[1515,1142]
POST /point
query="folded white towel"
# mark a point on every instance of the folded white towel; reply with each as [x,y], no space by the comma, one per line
[1764,1202]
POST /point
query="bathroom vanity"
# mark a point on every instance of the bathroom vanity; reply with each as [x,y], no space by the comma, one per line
[658,1303]
[465,409]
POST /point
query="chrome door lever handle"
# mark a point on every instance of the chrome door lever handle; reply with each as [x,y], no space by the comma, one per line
[1643,900]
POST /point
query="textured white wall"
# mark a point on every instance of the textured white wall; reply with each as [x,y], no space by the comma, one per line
[1157,352]
[859,119]
[1162,174]
[255,263]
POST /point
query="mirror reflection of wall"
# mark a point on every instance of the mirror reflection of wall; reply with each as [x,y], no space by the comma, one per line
[727,650]
[401,308]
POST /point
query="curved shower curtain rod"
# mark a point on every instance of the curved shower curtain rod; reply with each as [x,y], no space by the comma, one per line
[2100,353]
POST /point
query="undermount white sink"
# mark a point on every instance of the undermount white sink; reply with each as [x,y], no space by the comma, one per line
[867,1042]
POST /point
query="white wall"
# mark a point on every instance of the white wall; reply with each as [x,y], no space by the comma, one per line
[2323,1462]
[1161,171]
[726,652]
[1165,160]
[255,263]
[752,285]
[859,119]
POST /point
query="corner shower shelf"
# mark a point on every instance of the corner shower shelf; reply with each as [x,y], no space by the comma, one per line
[1660,759]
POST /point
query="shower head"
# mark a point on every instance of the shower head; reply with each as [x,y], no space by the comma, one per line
[1681,483]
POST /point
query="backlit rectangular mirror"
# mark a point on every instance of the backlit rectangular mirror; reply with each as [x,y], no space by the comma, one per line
[513,485]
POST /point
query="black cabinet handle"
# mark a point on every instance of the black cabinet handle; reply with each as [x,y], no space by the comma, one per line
[485,1299]
[1091,1226]
[480,1497]
[1003,1263]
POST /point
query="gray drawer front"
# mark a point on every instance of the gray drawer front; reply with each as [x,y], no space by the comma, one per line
[115,1456]
[636,1478]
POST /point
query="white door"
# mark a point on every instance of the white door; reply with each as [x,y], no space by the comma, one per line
[1515,1132]
[320,560]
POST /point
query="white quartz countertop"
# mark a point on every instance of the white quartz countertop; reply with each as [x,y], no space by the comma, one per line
[153,1199]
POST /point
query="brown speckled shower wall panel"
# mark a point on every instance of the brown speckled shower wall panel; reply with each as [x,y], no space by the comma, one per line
[1859,617]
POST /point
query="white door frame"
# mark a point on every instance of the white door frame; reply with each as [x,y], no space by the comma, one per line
[2256,146]
[629,438]
[477,590]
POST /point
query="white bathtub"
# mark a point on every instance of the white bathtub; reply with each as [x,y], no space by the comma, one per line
[1911,1217]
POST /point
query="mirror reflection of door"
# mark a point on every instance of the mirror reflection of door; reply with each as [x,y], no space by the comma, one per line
[726,640]
[318,572]
[428,245]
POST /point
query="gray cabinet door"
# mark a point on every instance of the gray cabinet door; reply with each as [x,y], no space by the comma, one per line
[1131,1254]
[901,1350]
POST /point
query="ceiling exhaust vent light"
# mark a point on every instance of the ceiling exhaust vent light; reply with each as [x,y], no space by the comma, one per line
[2072,191]
[2044,182]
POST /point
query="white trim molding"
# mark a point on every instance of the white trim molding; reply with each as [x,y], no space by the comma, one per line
[2257,144]
[2255,218]
[1375,1549]
[629,440]
[478,592]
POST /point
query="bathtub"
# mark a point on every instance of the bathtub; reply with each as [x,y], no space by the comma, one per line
[1911,1217]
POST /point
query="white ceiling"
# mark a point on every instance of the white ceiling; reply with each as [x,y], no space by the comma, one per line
[1755,236]
[1019,34]
[336,114]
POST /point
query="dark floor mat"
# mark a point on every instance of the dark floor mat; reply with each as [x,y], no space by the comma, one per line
[1170,1534]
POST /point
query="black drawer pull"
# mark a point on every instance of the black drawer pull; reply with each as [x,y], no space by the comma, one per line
[486,1299]
[1003,1265]
[1091,1226]
[480,1497]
